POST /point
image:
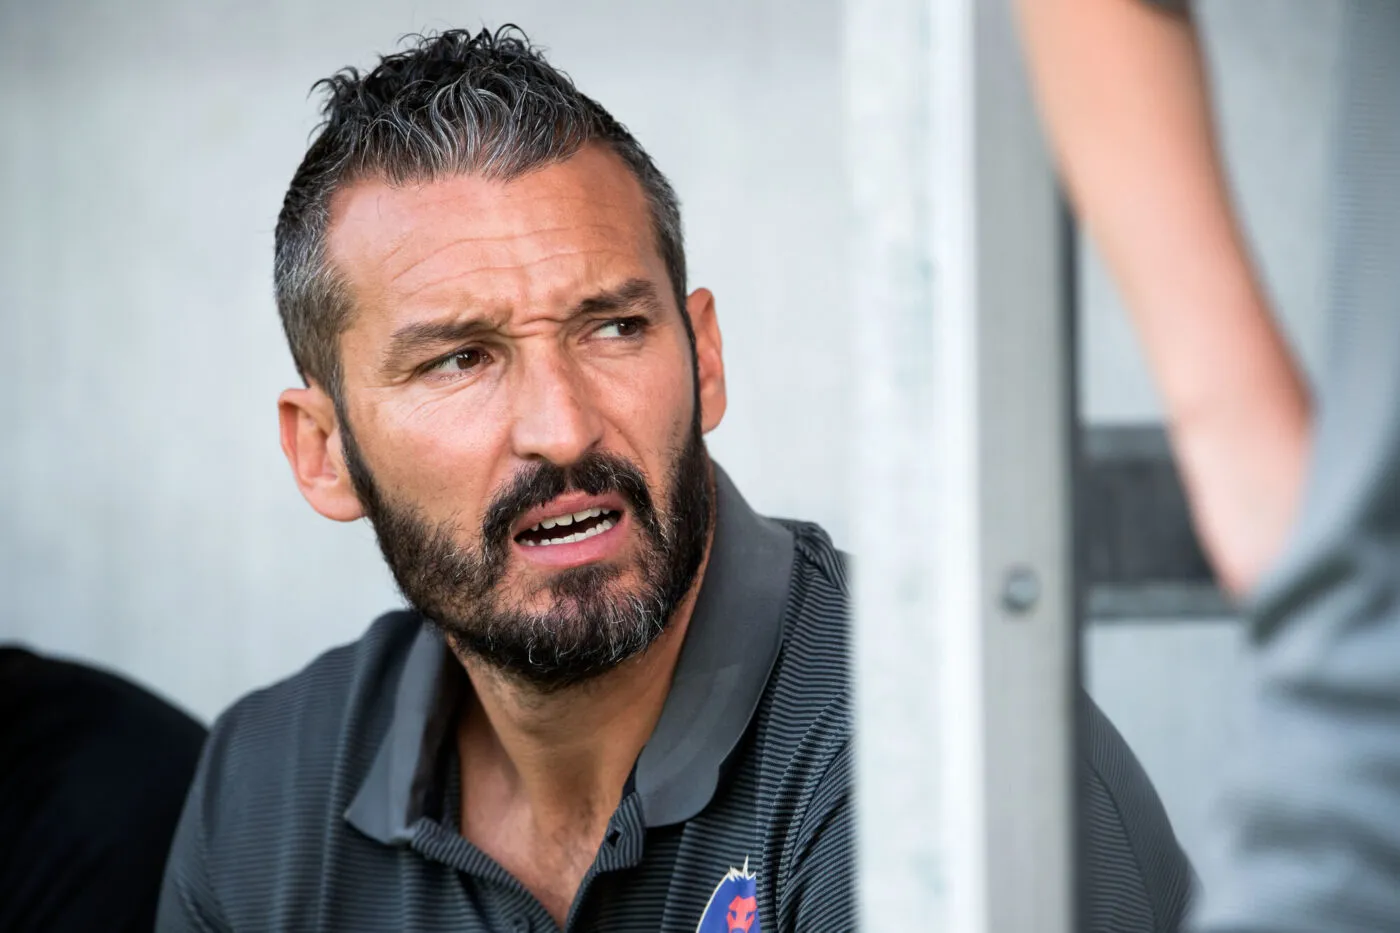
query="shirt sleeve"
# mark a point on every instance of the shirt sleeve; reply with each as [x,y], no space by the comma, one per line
[820,895]
[1135,877]
[187,901]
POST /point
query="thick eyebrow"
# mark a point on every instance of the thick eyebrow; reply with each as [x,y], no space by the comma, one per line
[634,295]
[412,340]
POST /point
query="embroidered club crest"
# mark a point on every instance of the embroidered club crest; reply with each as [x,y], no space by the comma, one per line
[733,907]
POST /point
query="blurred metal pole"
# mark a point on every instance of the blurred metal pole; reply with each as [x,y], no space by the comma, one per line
[965,634]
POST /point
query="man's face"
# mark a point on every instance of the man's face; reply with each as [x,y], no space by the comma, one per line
[516,362]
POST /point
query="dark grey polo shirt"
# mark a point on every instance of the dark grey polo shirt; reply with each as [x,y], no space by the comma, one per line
[331,801]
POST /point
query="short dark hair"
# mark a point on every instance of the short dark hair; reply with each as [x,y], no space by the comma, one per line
[451,103]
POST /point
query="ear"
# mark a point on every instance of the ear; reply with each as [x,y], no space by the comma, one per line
[709,357]
[311,441]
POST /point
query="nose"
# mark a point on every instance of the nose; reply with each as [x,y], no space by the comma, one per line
[556,417]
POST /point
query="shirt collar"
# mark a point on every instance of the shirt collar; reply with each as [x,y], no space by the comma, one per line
[730,648]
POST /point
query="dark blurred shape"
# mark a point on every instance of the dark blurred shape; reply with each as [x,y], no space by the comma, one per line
[1142,559]
[93,773]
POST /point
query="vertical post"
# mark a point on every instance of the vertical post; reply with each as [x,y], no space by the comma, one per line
[965,633]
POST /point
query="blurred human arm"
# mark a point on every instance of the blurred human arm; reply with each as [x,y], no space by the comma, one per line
[1122,91]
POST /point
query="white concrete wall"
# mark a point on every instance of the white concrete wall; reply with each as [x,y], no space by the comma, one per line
[147,519]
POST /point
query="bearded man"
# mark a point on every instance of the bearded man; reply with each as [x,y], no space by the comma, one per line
[617,684]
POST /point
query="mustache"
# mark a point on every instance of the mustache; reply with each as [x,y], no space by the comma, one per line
[596,473]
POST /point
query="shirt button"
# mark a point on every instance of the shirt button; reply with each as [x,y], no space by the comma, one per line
[521,925]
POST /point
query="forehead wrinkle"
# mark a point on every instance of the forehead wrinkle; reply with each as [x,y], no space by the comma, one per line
[486,270]
[500,239]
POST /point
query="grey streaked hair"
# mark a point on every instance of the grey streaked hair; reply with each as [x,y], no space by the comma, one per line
[452,103]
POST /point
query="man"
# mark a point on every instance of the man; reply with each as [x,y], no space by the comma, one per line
[622,699]
[1308,836]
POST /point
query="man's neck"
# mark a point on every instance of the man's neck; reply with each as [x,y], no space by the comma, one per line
[557,749]
[542,773]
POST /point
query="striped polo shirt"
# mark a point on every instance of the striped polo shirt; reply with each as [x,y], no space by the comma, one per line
[330,802]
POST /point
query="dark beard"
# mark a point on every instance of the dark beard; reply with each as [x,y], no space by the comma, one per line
[594,623]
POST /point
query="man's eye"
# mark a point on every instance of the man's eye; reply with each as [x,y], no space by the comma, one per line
[621,328]
[460,362]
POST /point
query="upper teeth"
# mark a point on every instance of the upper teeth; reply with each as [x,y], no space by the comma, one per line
[569,519]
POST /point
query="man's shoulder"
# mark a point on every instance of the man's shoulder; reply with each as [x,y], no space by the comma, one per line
[1136,875]
[817,617]
[808,701]
[818,555]
[331,685]
[321,721]
[802,737]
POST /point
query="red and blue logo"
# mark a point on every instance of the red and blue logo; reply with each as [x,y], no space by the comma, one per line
[733,907]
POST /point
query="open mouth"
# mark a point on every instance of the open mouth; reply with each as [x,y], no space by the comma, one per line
[567,529]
